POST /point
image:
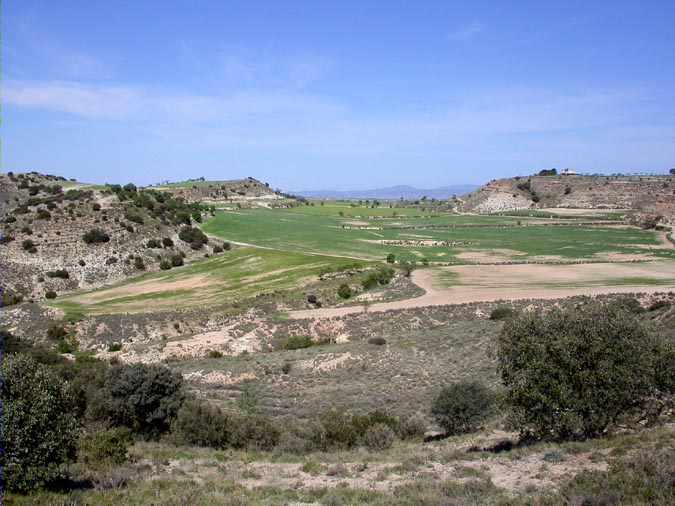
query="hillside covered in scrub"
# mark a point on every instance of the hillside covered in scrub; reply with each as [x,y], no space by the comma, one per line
[60,235]
[646,194]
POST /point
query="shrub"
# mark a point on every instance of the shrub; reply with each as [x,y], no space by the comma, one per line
[153,243]
[134,217]
[43,214]
[217,249]
[193,236]
[111,260]
[165,264]
[379,437]
[176,260]
[286,368]
[114,347]
[254,432]
[412,426]
[200,424]
[95,236]
[645,478]
[28,244]
[96,206]
[461,407]
[297,342]
[105,447]
[60,273]
[378,341]
[56,332]
[572,373]
[391,258]
[344,291]
[139,264]
[335,429]
[501,313]
[214,354]
[144,398]
[227,246]
[167,242]
[50,294]
[38,431]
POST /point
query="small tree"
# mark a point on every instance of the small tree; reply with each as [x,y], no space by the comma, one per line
[144,398]
[344,291]
[572,373]
[39,430]
[461,407]
[391,258]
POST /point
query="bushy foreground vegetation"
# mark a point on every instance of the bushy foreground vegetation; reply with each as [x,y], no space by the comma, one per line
[567,375]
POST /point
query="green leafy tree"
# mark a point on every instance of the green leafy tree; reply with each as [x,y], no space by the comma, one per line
[144,398]
[573,373]
[39,430]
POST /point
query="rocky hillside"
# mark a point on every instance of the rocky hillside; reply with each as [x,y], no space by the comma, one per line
[222,192]
[59,235]
[647,194]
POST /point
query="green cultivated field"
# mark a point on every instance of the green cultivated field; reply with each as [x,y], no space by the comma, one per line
[321,229]
[231,276]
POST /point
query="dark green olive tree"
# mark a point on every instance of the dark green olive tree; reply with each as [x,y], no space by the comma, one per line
[573,373]
[39,429]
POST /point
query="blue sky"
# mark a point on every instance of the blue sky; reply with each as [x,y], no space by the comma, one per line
[342,94]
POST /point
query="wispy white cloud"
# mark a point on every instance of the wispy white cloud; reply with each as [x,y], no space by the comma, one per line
[467,32]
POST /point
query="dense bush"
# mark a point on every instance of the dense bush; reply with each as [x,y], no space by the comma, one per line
[165,264]
[391,258]
[338,429]
[217,248]
[379,437]
[344,291]
[39,431]
[153,243]
[253,431]
[461,407]
[139,264]
[501,313]
[95,236]
[297,342]
[177,260]
[200,424]
[167,242]
[381,276]
[573,373]
[105,447]
[378,341]
[56,332]
[50,294]
[144,398]
[193,236]
[59,273]
[412,426]
[28,245]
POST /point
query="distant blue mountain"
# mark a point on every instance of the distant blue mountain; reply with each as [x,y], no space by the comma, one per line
[392,193]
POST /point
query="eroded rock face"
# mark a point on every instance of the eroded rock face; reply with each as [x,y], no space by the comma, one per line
[655,194]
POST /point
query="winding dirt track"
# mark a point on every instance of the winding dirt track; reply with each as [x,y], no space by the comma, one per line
[486,283]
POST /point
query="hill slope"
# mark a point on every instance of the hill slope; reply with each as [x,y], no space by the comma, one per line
[648,194]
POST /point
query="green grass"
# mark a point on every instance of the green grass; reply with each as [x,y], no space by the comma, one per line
[236,275]
[320,229]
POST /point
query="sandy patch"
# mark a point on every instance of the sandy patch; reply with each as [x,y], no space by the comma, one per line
[219,378]
[143,287]
[490,256]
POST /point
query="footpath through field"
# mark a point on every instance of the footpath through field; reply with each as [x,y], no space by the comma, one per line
[487,283]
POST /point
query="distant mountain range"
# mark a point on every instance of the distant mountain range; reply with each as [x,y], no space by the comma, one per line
[392,193]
